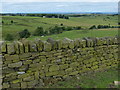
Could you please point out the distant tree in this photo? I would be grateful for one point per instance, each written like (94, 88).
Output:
(39, 31)
(2, 22)
(100, 26)
(77, 28)
(69, 28)
(61, 16)
(12, 21)
(61, 24)
(9, 37)
(46, 33)
(56, 30)
(118, 23)
(93, 27)
(66, 17)
(24, 34)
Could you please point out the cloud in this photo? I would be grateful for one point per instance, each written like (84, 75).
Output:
(60, 1)
(62, 5)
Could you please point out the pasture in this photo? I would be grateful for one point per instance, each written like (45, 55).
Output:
(31, 23)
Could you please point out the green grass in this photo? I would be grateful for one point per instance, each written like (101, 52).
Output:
(80, 34)
(101, 79)
(31, 23)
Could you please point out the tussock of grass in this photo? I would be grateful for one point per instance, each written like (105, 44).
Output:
(103, 79)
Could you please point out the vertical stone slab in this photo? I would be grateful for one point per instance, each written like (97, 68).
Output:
(83, 43)
(71, 44)
(77, 42)
(65, 43)
(59, 43)
(53, 42)
(3, 47)
(21, 47)
(10, 48)
(17, 49)
(32, 46)
(26, 45)
(47, 46)
(40, 45)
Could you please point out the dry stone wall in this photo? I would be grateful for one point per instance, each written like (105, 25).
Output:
(27, 64)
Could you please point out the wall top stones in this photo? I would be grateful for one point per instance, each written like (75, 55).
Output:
(24, 46)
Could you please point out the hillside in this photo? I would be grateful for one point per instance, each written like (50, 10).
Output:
(31, 23)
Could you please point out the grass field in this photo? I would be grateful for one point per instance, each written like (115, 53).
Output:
(80, 34)
(31, 23)
(102, 79)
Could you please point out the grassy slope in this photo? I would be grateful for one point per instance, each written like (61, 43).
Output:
(80, 34)
(31, 23)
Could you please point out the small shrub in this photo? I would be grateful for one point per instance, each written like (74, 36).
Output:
(9, 37)
(39, 31)
(24, 34)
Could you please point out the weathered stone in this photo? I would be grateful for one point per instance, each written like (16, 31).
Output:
(65, 42)
(12, 57)
(64, 66)
(71, 44)
(69, 70)
(53, 42)
(61, 73)
(47, 46)
(16, 81)
(27, 79)
(40, 45)
(21, 47)
(7, 70)
(17, 48)
(20, 72)
(27, 62)
(16, 85)
(3, 47)
(74, 64)
(25, 55)
(32, 47)
(32, 83)
(52, 73)
(7, 62)
(42, 58)
(53, 68)
(10, 48)
(18, 64)
(35, 65)
(23, 84)
(26, 45)
(25, 75)
(59, 43)
(35, 54)
(83, 43)
(5, 85)
(74, 73)
(23, 68)
(10, 78)
(77, 42)
(37, 74)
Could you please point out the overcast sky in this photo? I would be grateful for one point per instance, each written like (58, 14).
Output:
(15, 6)
(13, 1)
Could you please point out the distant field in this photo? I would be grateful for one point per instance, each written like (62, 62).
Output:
(31, 23)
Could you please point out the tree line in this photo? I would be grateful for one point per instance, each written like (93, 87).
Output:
(103, 26)
(39, 31)
(40, 15)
